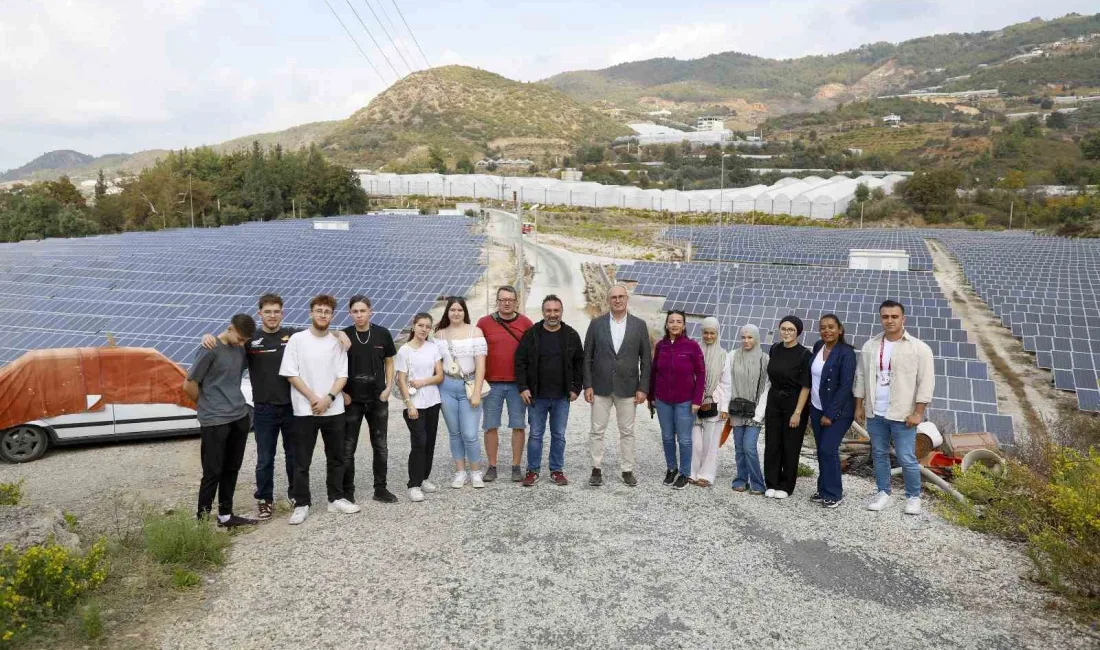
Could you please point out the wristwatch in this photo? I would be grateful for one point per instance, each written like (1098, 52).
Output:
(332, 397)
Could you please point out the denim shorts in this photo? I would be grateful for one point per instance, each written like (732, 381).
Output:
(493, 406)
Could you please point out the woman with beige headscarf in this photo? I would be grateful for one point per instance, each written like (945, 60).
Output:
(713, 413)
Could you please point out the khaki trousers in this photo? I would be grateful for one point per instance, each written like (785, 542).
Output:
(624, 416)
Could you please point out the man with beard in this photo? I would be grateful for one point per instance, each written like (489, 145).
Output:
(366, 395)
(317, 369)
(549, 375)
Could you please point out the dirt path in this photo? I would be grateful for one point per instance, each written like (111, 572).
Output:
(1024, 390)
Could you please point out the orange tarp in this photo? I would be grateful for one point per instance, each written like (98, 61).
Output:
(47, 383)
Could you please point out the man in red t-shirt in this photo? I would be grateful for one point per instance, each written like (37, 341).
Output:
(503, 330)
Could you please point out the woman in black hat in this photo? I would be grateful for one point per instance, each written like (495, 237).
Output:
(786, 414)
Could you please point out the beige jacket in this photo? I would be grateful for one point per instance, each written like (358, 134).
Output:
(912, 380)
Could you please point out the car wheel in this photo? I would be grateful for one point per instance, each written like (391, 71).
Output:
(23, 443)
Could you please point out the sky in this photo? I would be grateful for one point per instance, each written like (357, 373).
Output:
(109, 76)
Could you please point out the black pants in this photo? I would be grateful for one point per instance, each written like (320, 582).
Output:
(305, 439)
(377, 414)
(222, 451)
(782, 443)
(422, 432)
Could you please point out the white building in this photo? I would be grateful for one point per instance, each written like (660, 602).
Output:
(710, 123)
(893, 120)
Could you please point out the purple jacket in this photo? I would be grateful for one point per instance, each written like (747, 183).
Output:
(679, 373)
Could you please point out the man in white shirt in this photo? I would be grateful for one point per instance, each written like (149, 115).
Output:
(316, 366)
(894, 383)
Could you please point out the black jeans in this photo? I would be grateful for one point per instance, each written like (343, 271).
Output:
(305, 439)
(222, 452)
(422, 432)
(377, 413)
(782, 443)
(269, 420)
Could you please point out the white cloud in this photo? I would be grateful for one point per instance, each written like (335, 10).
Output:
(680, 41)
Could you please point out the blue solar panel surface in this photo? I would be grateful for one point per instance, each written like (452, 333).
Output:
(165, 289)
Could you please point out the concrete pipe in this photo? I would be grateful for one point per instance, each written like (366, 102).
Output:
(987, 457)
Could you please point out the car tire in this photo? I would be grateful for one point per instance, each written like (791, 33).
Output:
(23, 443)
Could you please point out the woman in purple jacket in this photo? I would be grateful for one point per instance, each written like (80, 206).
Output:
(676, 388)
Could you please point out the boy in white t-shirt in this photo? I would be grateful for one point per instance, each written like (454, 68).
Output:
(316, 366)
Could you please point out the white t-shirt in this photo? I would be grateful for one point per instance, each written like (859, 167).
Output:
(618, 331)
(319, 361)
(882, 378)
(465, 351)
(420, 364)
(815, 377)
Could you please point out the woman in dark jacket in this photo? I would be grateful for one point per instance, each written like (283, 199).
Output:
(785, 416)
(832, 405)
(676, 386)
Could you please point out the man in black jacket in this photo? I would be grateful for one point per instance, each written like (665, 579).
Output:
(549, 375)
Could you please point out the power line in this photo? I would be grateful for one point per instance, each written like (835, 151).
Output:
(392, 42)
(372, 38)
(365, 57)
(411, 32)
(393, 28)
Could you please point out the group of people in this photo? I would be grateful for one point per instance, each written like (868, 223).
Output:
(316, 381)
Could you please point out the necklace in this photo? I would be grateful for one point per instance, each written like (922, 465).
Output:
(361, 341)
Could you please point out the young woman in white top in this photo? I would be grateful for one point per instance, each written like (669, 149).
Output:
(464, 349)
(712, 416)
(419, 367)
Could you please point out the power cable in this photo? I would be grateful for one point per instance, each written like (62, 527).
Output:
(393, 28)
(373, 39)
(357, 46)
(411, 32)
(392, 42)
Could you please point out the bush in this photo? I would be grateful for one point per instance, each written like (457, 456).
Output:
(184, 578)
(177, 538)
(11, 493)
(91, 623)
(43, 581)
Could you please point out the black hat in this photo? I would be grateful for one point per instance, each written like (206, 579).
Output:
(793, 320)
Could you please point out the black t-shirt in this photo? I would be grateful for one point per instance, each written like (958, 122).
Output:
(789, 370)
(551, 367)
(265, 355)
(367, 361)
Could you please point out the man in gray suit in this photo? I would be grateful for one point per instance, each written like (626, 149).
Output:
(617, 357)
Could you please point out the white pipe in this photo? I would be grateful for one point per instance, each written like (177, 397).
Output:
(936, 480)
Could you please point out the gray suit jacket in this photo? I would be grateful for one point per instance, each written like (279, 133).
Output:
(622, 374)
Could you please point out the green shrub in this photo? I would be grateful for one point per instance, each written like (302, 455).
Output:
(43, 581)
(184, 578)
(805, 471)
(177, 538)
(11, 493)
(91, 623)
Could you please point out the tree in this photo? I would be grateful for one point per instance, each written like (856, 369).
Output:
(1046, 104)
(100, 187)
(933, 191)
(464, 166)
(862, 193)
(1057, 121)
(1090, 146)
(1013, 180)
(435, 161)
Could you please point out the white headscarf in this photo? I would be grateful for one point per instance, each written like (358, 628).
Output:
(746, 366)
(714, 356)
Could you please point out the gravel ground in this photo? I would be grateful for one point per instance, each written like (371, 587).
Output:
(574, 566)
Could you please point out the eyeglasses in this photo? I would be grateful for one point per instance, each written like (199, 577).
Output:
(322, 312)
(506, 301)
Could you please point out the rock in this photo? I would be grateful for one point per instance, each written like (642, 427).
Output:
(26, 526)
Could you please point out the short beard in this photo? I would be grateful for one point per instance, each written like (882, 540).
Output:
(318, 327)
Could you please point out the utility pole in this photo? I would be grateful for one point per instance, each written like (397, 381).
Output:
(1011, 205)
(861, 214)
(191, 198)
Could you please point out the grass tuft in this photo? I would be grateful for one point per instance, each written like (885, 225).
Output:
(179, 539)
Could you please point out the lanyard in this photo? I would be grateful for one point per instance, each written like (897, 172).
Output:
(890, 365)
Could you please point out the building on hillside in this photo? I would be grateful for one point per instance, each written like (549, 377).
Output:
(660, 113)
(892, 120)
(710, 123)
(571, 175)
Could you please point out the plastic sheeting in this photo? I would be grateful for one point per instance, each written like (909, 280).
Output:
(48, 383)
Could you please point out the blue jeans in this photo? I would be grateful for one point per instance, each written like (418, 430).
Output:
(268, 420)
(537, 413)
(462, 421)
(749, 473)
(883, 432)
(828, 439)
(676, 421)
(493, 405)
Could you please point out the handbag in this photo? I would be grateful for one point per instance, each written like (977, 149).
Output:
(485, 388)
(707, 411)
(746, 408)
(455, 370)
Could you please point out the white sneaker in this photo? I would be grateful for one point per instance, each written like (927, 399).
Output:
(428, 487)
(299, 515)
(881, 502)
(343, 506)
(459, 481)
(780, 494)
(476, 480)
(769, 494)
(912, 506)
(415, 494)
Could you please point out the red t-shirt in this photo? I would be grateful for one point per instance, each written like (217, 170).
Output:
(500, 364)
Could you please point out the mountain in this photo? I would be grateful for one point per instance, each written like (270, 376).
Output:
(466, 112)
(748, 88)
(61, 159)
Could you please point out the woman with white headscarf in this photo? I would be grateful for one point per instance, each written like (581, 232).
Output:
(713, 413)
(748, 399)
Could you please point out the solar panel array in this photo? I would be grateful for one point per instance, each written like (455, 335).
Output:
(1047, 290)
(965, 398)
(165, 289)
(799, 246)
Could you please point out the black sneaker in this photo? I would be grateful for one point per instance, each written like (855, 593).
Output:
(235, 521)
(670, 477)
(490, 474)
(681, 482)
(628, 478)
(831, 504)
(266, 509)
(817, 498)
(384, 495)
(596, 480)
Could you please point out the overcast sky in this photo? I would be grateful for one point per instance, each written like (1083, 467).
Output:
(105, 76)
